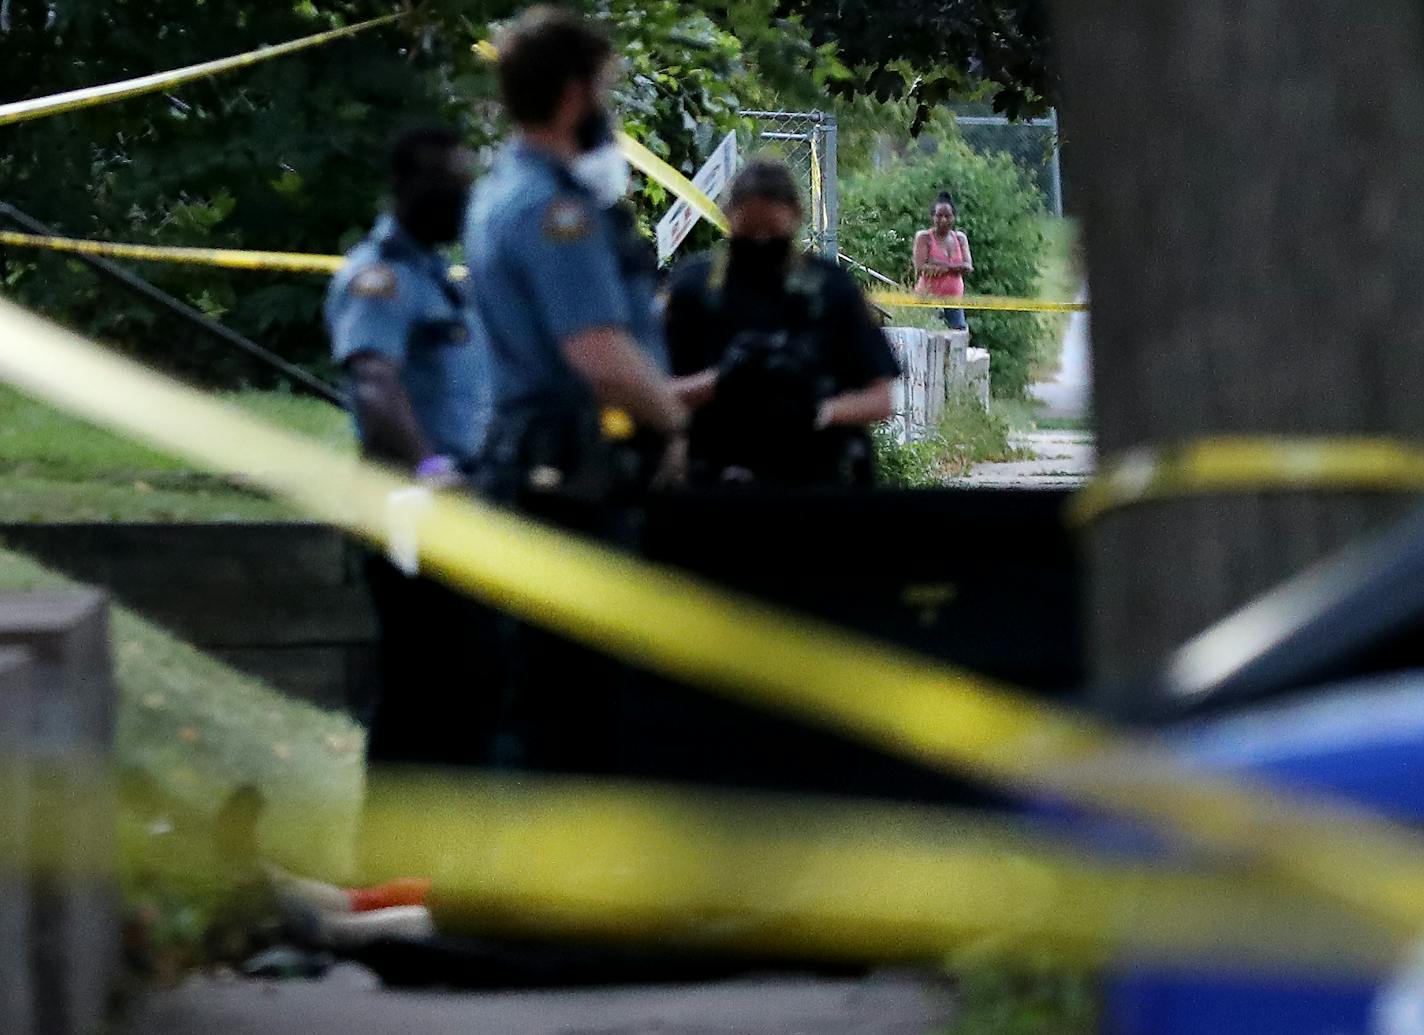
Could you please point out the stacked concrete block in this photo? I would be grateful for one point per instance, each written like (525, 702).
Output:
(976, 374)
(58, 916)
(931, 373)
(17, 718)
(907, 343)
(956, 343)
(934, 365)
(283, 602)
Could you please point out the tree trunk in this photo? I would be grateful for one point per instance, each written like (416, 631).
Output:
(1250, 175)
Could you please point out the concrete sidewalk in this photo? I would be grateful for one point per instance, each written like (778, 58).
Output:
(348, 1002)
(1069, 394)
(1061, 460)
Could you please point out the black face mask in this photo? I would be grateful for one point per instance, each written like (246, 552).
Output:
(433, 213)
(762, 258)
(594, 130)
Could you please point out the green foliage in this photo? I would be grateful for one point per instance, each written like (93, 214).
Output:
(685, 81)
(904, 465)
(790, 71)
(967, 435)
(1002, 214)
(1063, 265)
(870, 129)
(287, 155)
(677, 94)
(1062, 278)
(934, 51)
(971, 434)
(1026, 1001)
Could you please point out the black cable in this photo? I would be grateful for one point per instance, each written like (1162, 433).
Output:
(302, 380)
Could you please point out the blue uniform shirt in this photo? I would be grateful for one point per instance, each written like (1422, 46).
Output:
(638, 264)
(544, 267)
(394, 297)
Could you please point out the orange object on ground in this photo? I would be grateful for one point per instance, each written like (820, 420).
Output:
(404, 891)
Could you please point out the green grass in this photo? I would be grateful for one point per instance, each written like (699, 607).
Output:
(56, 468)
(193, 732)
(1082, 424)
(1022, 415)
(967, 435)
(195, 740)
(1026, 1001)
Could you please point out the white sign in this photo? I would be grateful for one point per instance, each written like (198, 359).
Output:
(712, 180)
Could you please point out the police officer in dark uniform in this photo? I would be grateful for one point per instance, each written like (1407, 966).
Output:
(417, 363)
(790, 367)
(569, 337)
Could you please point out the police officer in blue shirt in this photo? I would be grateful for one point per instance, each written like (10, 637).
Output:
(418, 367)
(563, 318)
(570, 335)
(604, 172)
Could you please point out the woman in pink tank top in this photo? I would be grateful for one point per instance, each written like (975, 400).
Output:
(942, 260)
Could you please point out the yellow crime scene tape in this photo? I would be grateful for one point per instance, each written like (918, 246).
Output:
(658, 170)
(818, 193)
(299, 262)
(638, 155)
(1250, 464)
(925, 712)
(91, 96)
(858, 882)
(226, 258)
(741, 647)
(987, 303)
(587, 860)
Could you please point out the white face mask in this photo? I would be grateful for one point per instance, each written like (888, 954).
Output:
(605, 172)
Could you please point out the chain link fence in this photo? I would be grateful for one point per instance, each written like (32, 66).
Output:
(806, 142)
(1032, 144)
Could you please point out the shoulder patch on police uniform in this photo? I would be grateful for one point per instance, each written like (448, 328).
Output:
(378, 281)
(566, 221)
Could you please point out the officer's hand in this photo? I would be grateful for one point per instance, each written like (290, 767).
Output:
(672, 467)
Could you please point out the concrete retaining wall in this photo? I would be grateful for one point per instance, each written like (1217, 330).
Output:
(935, 365)
(59, 937)
(17, 718)
(283, 602)
(976, 374)
(286, 601)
